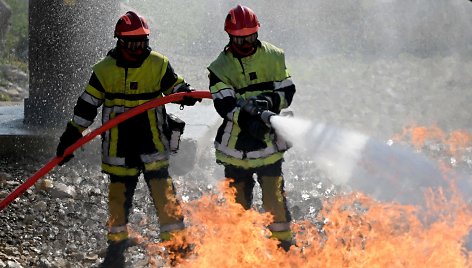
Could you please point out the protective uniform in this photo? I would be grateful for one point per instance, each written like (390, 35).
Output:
(244, 144)
(132, 74)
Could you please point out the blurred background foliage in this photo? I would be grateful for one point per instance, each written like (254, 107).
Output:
(372, 28)
(192, 31)
(15, 50)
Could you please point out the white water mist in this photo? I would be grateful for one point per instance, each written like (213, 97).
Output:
(365, 164)
(333, 150)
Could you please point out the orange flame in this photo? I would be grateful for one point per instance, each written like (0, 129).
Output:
(351, 231)
(456, 141)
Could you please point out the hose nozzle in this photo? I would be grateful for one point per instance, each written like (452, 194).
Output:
(265, 116)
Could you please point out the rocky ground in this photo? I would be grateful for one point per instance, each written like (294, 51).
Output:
(13, 83)
(60, 221)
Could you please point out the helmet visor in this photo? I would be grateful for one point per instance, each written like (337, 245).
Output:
(134, 44)
(244, 40)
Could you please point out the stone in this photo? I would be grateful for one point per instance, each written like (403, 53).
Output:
(60, 190)
(41, 206)
(12, 264)
(44, 185)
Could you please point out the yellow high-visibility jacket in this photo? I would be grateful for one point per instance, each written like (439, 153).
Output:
(143, 139)
(234, 80)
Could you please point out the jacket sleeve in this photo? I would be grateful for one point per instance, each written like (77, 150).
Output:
(170, 81)
(282, 95)
(283, 86)
(224, 97)
(87, 105)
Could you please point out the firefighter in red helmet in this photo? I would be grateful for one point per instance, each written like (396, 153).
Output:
(249, 83)
(242, 26)
(132, 74)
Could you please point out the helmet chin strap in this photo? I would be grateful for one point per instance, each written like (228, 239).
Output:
(242, 51)
(131, 56)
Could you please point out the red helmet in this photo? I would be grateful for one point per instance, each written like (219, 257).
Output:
(131, 25)
(241, 21)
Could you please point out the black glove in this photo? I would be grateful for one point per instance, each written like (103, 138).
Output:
(267, 100)
(252, 123)
(69, 137)
(187, 101)
(252, 106)
(257, 104)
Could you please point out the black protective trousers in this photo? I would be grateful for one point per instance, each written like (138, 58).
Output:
(272, 185)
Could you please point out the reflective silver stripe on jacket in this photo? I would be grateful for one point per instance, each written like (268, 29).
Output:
(146, 158)
(250, 155)
(172, 227)
(91, 99)
(228, 151)
(282, 84)
(226, 92)
(227, 134)
(107, 111)
(149, 158)
(111, 160)
(230, 115)
(81, 121)
(279, 226)
(176, 88)
(116, 161)
(280, 145)
(262, 153)
(160, 120)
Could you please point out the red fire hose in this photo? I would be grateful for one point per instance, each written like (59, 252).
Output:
(109, 124)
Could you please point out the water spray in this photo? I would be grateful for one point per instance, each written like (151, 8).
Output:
(85, 139)
(388, 172)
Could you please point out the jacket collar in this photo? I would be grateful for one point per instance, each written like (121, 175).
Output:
(121, 62)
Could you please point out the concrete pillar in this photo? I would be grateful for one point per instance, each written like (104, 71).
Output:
(65, 38)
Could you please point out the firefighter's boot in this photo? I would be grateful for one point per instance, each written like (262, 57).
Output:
(285, 239)
(285, 244)
(115, 256)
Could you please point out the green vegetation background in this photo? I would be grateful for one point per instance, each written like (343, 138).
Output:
(16, 43)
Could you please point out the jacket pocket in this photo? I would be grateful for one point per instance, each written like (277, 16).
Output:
(175, 130)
